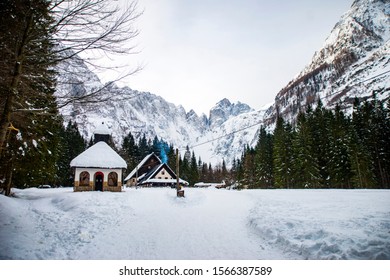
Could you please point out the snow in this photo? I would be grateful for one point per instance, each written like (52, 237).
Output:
(99, 155)
(102, 129)
(206, 224)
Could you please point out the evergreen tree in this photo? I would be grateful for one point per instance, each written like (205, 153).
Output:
(172, 158)
(234, 171)
(264, 160)
(282, 154)
(305, 173)
(185, 172)
(319, 126)
(156, 146)
(143, 148)
(193, 170)
(360, 150)
(339, 165)
(224, 171)
(36, 150)
(187, 154)
(248, 168)
(240, 172)
(204, 173)
(29, 153)
(210, 174)
(377, 140)
(130, 151)
(361, 163)
(72, 144)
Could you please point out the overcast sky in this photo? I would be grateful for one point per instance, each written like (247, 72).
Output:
(196, 52)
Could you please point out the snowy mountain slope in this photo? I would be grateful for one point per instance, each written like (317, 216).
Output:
(145, 113)
(223, 110)
(230, 138)
(354, 61)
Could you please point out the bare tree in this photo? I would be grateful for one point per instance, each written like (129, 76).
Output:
(37, 37)
(97, 27)
(94, 29)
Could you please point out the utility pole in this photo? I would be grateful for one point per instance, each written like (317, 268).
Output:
(179, 191)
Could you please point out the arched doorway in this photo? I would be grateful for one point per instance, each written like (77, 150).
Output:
(99, 176)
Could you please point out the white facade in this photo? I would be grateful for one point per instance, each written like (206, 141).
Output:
(163, 174)
(99, 168)
(98, 179)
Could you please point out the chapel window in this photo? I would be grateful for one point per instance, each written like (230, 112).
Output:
(84, 179)
(113, 179)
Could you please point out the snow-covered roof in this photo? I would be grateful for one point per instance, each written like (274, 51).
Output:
(148, 177)
(102, 129)
(99, 155)
(138, 167)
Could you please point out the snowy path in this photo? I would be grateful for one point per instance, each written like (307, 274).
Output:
(207, 224)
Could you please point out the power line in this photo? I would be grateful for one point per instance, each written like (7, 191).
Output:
(358, 83)
(263, 120)
(225, 135)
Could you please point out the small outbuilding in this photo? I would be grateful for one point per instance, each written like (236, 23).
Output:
(99, 168)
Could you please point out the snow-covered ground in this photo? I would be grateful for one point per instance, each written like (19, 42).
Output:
(206, 224)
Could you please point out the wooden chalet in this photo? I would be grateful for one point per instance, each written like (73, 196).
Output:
(152, 172)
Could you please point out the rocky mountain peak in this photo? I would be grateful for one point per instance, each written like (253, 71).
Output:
(356, 50)
(354, 61)
(224, 109)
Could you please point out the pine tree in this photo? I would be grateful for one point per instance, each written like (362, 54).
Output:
(248, 178)
(185, 172)
(71, 145)
(263, 161)
(319, 126)
(365, 141)
(378, 140)
(29, 157)
(210, 174)
(130, 151)
(155, 146)
(224, 172)
(204, 173)
(339, 165)
(234, 171)
(361, 163)
(305, 173)
(172, 158)
(37, 150)
(282, 154)
(193, 170)
(25, 55)
(143, 148)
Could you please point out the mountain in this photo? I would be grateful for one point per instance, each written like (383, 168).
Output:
(353, 62)
(125, 110)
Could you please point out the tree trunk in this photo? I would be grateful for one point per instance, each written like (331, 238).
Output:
(11, 93)
(13, 89)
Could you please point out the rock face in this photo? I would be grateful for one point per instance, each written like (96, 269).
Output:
(125, 110)
(224, 110)
(354, 62)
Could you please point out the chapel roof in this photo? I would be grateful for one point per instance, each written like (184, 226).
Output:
(100, 155)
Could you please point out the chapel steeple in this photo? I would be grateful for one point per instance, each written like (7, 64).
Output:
(102, 133)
